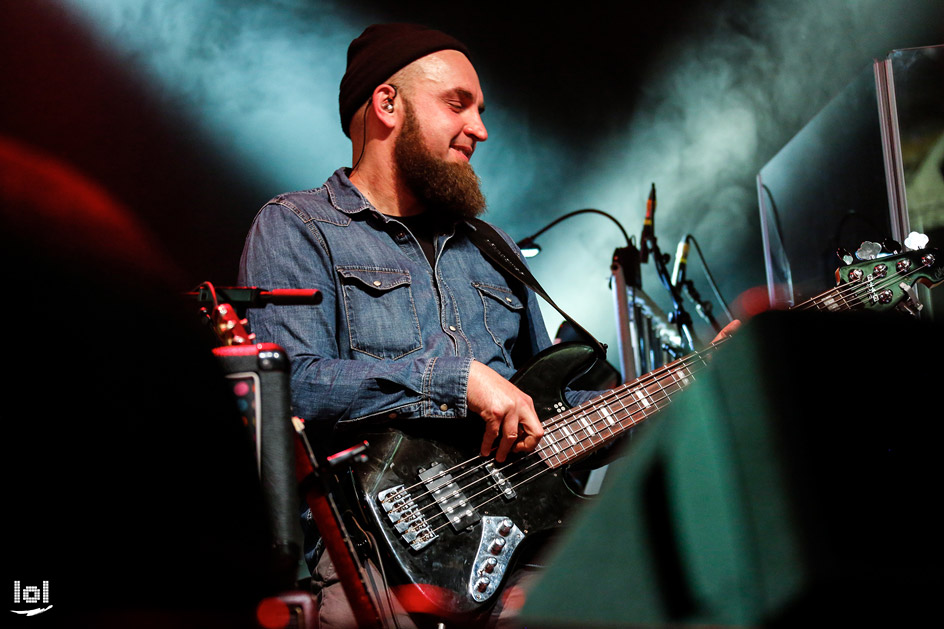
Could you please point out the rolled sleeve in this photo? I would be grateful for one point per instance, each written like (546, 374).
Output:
(445, 384)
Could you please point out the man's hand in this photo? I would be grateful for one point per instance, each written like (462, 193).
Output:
(728, 331)
(505, 409)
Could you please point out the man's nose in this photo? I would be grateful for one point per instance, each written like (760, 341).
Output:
(475, 128)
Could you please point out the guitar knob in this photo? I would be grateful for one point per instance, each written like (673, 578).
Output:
(891, 246)
(844, 256)
(482, 584)
(505, 527)
(490, 564)
(498, 545)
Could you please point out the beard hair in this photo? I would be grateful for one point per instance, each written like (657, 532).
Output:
(446, 188)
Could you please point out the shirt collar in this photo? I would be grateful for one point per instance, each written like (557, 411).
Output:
(346, 198)
(344, 195)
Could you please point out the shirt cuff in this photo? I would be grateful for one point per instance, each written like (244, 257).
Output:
(445, 386)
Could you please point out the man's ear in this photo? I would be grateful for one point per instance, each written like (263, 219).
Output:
(384, 104)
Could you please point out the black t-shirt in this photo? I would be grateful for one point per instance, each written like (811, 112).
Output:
(425, 228)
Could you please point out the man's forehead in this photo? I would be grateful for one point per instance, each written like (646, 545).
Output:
(449, 71)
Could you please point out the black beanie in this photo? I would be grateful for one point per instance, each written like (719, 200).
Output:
(380, 51)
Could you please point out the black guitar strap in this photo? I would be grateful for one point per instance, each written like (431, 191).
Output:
(491, 243)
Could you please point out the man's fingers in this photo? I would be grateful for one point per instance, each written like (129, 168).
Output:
(506, 410)
(488, 440)
(508, 438)
(530, 442)
(728, 331)
(530, 430)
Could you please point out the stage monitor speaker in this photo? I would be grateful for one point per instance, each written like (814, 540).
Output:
(795, 481)
(259, 379)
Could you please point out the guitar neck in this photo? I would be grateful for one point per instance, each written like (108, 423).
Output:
(877, 284)
(582, 429)
(833, 299)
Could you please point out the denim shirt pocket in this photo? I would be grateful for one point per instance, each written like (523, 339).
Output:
(503, 311)
(381, 316)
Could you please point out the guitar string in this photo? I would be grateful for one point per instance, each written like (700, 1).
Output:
(846, 292)
(643, 381)
(674, 368)
(592, 404)
(860, 289)
(863, 285)
(624, 426)
(579, 414)
(620, 390)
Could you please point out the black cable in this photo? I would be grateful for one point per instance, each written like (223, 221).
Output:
(396, 92)
(711, 279)
(531, 238)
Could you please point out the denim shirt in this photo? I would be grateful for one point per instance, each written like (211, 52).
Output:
(394, 336)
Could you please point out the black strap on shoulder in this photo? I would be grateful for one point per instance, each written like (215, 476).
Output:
(491, 243)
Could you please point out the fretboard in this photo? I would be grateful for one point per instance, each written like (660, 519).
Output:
(832, 300)
(582, 429)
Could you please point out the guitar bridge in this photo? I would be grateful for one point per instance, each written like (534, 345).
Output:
(407, 519)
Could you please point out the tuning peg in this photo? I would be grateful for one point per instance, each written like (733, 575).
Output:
(868, 250)
(891, 246)
(843, 254)
(916, 241)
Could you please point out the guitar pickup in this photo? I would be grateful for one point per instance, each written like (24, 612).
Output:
(451, 500)
(501, 483)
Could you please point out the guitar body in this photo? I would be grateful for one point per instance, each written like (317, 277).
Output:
(455, 561)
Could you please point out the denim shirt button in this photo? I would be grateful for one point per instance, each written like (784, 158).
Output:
(444, 407)
(452, 327)
(392, 415)
(377, 282)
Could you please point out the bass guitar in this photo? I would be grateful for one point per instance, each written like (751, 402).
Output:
(454, 520)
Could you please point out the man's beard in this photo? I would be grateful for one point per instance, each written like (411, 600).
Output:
(447, 188)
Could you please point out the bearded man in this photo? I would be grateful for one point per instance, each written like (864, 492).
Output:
(416, 324)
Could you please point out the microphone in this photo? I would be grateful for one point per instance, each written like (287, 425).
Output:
(254, 297)
(681, 261)
(647, 229)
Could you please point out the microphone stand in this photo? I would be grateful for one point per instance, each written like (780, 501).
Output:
(627, 282)
(681, 282)
(315, 473)
(680, 317)
(703, 307)
(649, 246)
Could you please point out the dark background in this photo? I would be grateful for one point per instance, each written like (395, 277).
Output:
(193, 114)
